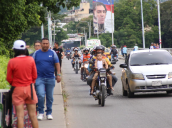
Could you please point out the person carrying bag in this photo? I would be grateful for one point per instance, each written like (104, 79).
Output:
(21, 75)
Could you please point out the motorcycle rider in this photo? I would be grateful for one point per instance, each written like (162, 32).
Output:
(85, 57)
(90, 78)
(76, 54)
(114, 52)
(100, 63)
(68, 50)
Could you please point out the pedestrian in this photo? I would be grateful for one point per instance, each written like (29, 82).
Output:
(157, 46)
(21, 74)
(124, 50)
(151, 47)
(59, 52)
(154, 45)
(135, 47)
(45, 60)
(37, 46)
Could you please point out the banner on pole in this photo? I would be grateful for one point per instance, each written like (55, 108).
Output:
(103, 16)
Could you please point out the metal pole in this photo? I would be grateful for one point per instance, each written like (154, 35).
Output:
(159, 23)
(143, 34)
(90, 28)
(85, 39)
(97, 24)
(111, 23)
(42, 27)
(54, 31)
(48, 26)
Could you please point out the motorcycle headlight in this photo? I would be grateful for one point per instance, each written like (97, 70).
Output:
(137, 76)
(169, 75)
(68, 53)
(86, 65)
(102, 74)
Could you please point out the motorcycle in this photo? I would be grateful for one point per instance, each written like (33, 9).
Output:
(76, 64)
(100, 90)
(114, 60)
(68, 55)
(85, 65)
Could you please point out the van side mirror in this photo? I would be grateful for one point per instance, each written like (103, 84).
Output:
(123, 66)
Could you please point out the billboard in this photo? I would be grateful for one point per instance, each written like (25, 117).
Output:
(93, 42)
(103, 16)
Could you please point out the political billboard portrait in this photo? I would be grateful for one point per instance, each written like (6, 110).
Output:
(103, 16)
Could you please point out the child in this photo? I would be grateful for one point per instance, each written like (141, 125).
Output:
(100, 63)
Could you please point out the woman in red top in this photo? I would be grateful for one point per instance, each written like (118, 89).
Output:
(21, 74)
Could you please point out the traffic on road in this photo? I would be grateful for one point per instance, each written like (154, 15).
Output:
(143, 75)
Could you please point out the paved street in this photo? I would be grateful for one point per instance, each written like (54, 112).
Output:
(152, 110)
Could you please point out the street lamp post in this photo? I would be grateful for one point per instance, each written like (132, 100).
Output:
(159, 23)
(111, 24)
(85, 35)
(42, 27)
(54, 27)
(143, 33)
(49, 28)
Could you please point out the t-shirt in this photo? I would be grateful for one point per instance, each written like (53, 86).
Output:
(114, 52)
(21, 71)
(136, 48)
(45, 63)
(124, 50)
(151, 47)
(58, 52)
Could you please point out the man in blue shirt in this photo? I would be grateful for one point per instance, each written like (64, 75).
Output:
(46, 60)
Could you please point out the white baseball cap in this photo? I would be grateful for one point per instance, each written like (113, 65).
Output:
(19, 44)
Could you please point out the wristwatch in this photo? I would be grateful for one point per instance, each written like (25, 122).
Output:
(58, 74)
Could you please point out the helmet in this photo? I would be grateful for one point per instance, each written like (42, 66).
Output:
(114, 46)
(103, 48)
(75, 49)
(99, 48)
(86, 49)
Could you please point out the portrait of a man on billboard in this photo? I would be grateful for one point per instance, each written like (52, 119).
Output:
(103, 16)
(99, 15)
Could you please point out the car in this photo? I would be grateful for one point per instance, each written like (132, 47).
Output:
(107, 53)
(147, 71)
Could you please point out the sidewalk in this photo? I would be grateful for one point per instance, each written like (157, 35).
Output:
(59, 120)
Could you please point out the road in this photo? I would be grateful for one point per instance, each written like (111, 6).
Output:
(145, 110)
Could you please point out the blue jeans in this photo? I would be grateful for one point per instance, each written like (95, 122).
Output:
(45, 86)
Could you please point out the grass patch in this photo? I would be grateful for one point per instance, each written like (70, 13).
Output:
(64, 94)
(3, 71)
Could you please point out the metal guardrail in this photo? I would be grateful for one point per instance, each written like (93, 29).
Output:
(131, 49)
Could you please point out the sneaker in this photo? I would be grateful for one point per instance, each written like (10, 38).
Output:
(40, 116)
(49, 117)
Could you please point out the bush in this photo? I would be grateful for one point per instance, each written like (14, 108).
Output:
(3, 71)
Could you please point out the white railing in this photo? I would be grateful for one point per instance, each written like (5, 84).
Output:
(131, 49)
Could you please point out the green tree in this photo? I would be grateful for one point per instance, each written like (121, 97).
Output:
(20, 15)
(128, 24)
(166, 23)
